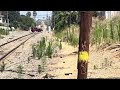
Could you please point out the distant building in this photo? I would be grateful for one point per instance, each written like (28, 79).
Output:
(1, 19)
(110, 14)
(39, 21)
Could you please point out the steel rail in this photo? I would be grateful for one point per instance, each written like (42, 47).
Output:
(14, 40)
(1, 58)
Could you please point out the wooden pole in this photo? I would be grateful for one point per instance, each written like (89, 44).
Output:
(85, 23)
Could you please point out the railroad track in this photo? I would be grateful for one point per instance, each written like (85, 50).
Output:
(7, 48)
(14, 40)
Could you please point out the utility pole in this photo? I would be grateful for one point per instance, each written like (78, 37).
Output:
(54, 21)
(7, 20)
(49, 23)
(70, 18)
(7, 23)
(85, 24)
(47, 18)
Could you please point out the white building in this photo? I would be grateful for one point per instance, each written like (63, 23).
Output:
(109, 14)
(3, 22)
(1, 18)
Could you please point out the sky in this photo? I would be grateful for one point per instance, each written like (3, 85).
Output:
(40, 14)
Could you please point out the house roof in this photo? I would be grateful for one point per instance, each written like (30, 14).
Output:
(1, 15)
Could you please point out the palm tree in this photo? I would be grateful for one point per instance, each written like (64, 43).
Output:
(34, 14)
(28, 14)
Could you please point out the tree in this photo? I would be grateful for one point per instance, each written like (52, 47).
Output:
(25, 22)
(13, 17)
(4, 13)
(16, 20)
(28, 14)
(34, 14)
(95, 13)
(61, 19)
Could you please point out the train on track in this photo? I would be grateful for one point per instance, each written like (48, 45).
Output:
(36, 29)
(39, 27)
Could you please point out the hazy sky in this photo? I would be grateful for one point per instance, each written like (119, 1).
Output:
(40, 14)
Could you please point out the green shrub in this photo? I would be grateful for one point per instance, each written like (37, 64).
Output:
(95, 67)
(60, 46)
(4, 32)
(34, 51)
(73, 39)
(68, 36)
(2, 67)
(20, 71)
(107, 31)
(1, 24)
(49, 50)
(41, 49)
(118, 31)
(39, 69)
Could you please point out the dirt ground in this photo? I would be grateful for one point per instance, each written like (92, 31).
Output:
(102, 63)
(64, 66)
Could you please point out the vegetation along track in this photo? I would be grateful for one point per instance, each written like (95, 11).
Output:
(9, 47)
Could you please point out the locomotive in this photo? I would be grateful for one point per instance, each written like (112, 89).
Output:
(39, 27)
(35, 29)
